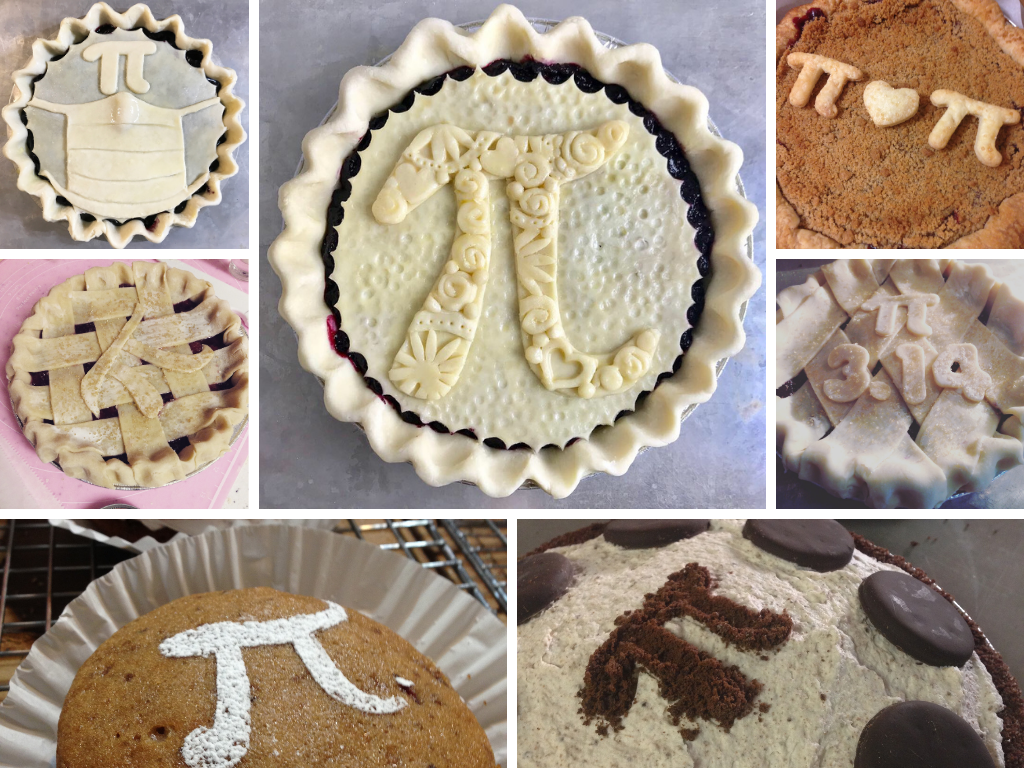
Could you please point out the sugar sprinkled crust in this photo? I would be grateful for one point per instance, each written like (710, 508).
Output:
(16, 148)
(433, 48)
(821, 687)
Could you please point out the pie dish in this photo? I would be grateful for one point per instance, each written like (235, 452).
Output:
(895, 163)
(130, 375)
(450, 335)
(900, 382)
(754, 643)
(123, 125)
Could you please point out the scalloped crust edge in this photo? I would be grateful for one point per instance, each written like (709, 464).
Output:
(84, 462)
(433, 47)
(16, 150)
(1004, 229)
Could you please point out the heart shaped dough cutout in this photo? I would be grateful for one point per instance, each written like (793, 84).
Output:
(890, 106)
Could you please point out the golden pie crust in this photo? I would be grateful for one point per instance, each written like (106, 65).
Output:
(844, 183)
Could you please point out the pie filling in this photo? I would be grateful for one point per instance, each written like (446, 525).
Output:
(126, 175)
(610, 257)
(887, 187)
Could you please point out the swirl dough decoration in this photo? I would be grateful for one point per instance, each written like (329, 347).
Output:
(438, 340)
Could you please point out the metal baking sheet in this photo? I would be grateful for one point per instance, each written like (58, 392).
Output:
(225, 23)
(308, 459)
(976, 561)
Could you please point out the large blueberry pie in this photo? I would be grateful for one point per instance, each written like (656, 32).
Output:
(898, 125)
(130, 375)
(515, 256)
(123, 125)
(900, 383)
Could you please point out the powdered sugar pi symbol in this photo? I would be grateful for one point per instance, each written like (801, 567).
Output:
(227, 742)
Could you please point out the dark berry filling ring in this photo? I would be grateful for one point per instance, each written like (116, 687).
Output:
(526, 71)
(194, 58)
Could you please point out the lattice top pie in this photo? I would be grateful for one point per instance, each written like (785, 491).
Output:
(123, 125)
(900, 383)
(525, 233)
(131, 375)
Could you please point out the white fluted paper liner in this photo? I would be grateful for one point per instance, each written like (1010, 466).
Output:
(183, 527)
(463, 638)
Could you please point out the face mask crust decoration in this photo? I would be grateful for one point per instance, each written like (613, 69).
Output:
(123, 126)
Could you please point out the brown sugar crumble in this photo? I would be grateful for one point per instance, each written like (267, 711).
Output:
(696, 685)
(885, 187)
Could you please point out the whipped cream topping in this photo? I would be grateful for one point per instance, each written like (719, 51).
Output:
(822, 686)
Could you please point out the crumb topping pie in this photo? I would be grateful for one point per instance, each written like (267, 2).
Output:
(519, 239)
(914, 138)
(122, 125)
(130, 375)
(900, 383)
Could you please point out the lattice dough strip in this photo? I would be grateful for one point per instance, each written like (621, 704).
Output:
(1006, 368)
(188, 415)
(92, 305)
(66, 403)
(951, 433)
(801, 421)
(852, 282)
(36, 355)
(804, 332)
(211, 317)
(150, 456)
(105, 433)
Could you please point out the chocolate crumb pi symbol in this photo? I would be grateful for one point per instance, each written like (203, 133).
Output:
(695, 683)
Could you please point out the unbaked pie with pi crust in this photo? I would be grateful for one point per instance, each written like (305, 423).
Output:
(515, 257)
(130, 375)
(898, 125)
(123, 125)
(900, 383)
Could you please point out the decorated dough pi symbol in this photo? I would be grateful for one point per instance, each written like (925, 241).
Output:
(227, 742)
(438, 340)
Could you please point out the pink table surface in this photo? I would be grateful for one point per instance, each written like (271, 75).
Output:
(22, 283)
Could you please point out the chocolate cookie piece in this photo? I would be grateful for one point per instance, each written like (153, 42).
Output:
(821, 545)
(916, 619)
(645, 534)
(919, 734)
(542, 579)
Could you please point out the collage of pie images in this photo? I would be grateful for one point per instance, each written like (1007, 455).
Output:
(511, 256)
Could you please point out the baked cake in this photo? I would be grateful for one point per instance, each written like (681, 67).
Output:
(257, 677)
(515, 257)
(769, 643)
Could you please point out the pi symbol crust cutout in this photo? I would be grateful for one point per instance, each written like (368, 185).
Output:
(535, 167)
